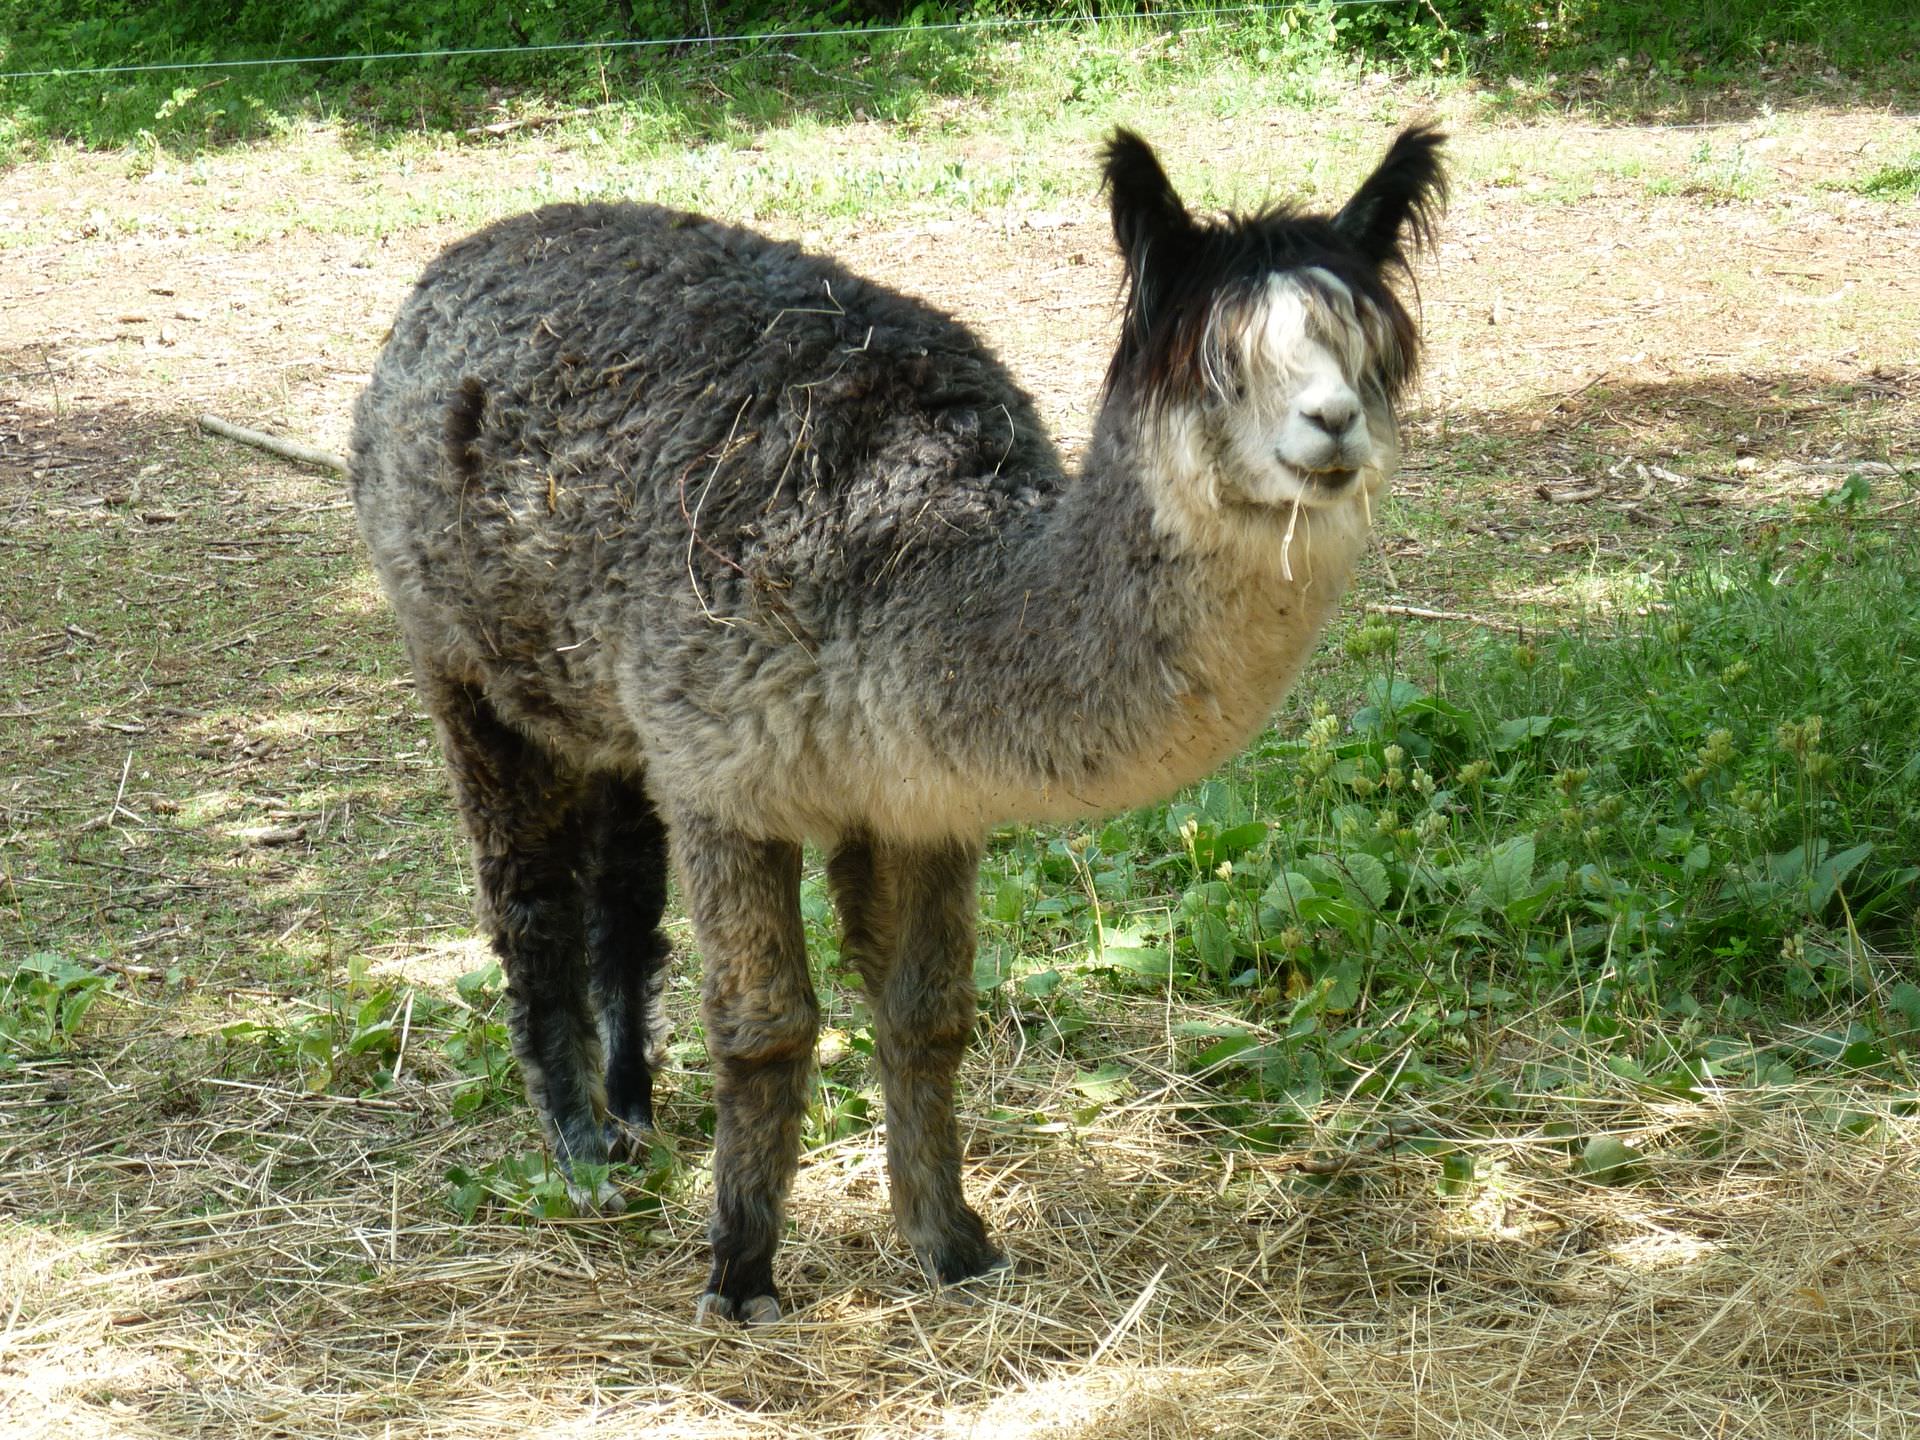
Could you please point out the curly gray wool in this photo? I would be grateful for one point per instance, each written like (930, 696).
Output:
(707, 506)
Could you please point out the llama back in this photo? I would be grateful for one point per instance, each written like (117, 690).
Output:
(612, 439)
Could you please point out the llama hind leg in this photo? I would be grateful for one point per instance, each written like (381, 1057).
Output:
(907, 915)
(761, 1017)
(626, 894)
(521, 814)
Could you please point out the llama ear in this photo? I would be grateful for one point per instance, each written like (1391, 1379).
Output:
(1396, 207)
(1149, 222)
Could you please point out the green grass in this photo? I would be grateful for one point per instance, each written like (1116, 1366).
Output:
(1685, 828)
(727, 93)
(1717, 171)
(1686, 838)
(1639, 56)
(1899, 181)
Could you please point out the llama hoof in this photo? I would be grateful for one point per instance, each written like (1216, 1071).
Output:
(627, 1143)
(960, 1264)
(602, 1199)
(996, 1269)
(971, 1289)
(754, 1310)
(957, 1251)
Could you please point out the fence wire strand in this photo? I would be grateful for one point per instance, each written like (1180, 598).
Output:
(1008, 22)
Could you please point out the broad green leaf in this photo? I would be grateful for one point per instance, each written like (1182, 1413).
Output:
(1150, 962)
(1516, 732)
(1343, 989)
(1831, 873)
(992, 967)
(474, 986)
(1393, 693)
(1212, 942)
(1009, 900)
(1863, 1055)
(1525, 909)
(1109, 1082)
(1456, 1172)
(1508, 873)
(1232, 844)
(1288, 889)
(1608, 1160)
(1367, 875)
(1434, 705)
(1223, 1050)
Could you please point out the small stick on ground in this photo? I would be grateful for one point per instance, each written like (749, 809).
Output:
(1420, 612)
(286, 449)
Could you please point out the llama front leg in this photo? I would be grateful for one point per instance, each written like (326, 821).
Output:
(908, 918)
(521, 815)
(762, 1017)
(626, 894)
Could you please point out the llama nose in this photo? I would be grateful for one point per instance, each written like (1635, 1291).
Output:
(1334, 414)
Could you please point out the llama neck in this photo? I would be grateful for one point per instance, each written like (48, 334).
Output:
(1116, 650)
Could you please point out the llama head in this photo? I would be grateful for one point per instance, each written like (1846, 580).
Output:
(1263, 353)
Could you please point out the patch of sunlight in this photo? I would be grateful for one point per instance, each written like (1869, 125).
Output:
(436, 963)
(208, 806)
(71, 1362)
(1592, 591)
(241, 729)
(1089, 1404)
(361, 594)
(1498, 1210)
(1664, 1251)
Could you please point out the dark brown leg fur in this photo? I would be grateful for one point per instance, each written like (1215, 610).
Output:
(522, 815)
(761, 1017)
(626, 893)
(907, 915)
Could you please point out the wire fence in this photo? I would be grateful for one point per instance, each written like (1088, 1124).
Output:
(758, 37)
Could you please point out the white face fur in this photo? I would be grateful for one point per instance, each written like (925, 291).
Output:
(1292, 423)
(1303, 424)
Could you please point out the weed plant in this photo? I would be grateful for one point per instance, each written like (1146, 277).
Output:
(1898, 181)
(1658, 829)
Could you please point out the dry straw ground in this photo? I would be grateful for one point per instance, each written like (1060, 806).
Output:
(194, 1247)
(1761, 1283)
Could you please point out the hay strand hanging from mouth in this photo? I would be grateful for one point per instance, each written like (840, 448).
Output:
(1286, 542)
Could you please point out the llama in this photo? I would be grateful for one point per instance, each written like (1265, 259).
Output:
(705, 547)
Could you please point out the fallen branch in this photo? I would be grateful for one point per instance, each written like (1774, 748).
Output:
(1329, 1165)
(1420, 612)
(525, 122)
(286, 449)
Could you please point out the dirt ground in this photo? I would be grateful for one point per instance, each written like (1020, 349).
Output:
(1642, 341)
(1599, 296)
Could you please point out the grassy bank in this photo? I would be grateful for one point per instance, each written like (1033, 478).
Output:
(657, 65)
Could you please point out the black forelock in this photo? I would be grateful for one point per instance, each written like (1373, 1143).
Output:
(1227, 262)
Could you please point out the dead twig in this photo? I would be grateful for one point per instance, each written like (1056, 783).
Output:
(272, 444)
(1395, 1132)
(524, 122)
(1421, 612)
